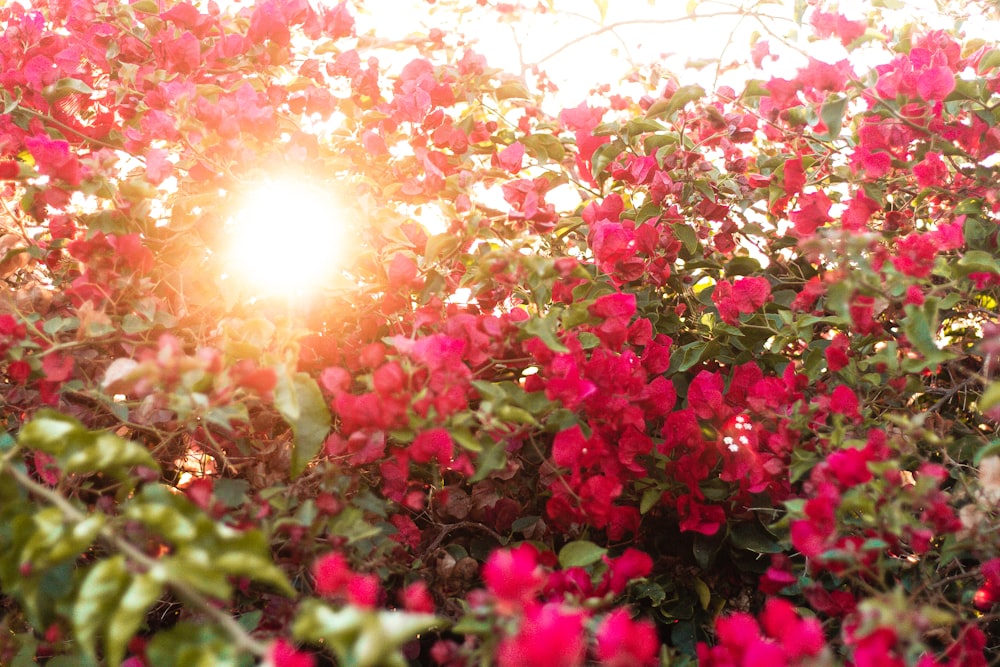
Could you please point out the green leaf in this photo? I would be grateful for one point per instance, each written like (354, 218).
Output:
(105, 452)
(990, 398)
(54, 541)
(686, 235)
(990, 60)
(189, 644)
(920, 326)
(544, 147)
(231, 492)
(677, 101)
(832, 114)
(545, 329)
(65, 87)
(650, 499)
(440, 246)
(687, 356)
(97, 599)
(605, 155)
(974, 261)
(752, 536)
(580, 553)
(300, 402)
(512, 90)
(492, 458)
(79, 450)
(361, 637)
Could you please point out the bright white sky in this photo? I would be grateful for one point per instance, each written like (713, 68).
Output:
(605, 58)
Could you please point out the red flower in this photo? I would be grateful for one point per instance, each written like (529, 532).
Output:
(19, 371)
(915, 255)
(844, 401)
(795, 178)
(433, 444)
(813, 210)
(836, 353)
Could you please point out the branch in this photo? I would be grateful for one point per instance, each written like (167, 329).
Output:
(620, 24)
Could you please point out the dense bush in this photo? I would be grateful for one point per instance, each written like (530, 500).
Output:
(734, 408)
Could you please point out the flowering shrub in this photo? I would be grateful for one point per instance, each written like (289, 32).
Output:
(733, 404)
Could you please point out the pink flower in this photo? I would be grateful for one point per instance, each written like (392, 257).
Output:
(844, 401)
(283, 654)
(417, 598)
(633, 564)
(335, 579)
(550, 636)
(509, 159)
(514, 576)
(622, 642)
(332, 574)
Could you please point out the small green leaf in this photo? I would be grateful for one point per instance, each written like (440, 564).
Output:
(544, 147)
(974, 261)
(650, 499)
(580, 553)
(440, 246)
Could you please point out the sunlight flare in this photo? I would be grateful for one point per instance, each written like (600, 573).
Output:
(288, 237)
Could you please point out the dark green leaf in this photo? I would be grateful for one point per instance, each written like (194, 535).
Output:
(752, 536)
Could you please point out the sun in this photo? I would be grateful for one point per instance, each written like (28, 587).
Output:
(288, 237)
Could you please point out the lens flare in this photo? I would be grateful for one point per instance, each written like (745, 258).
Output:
(287, 238)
